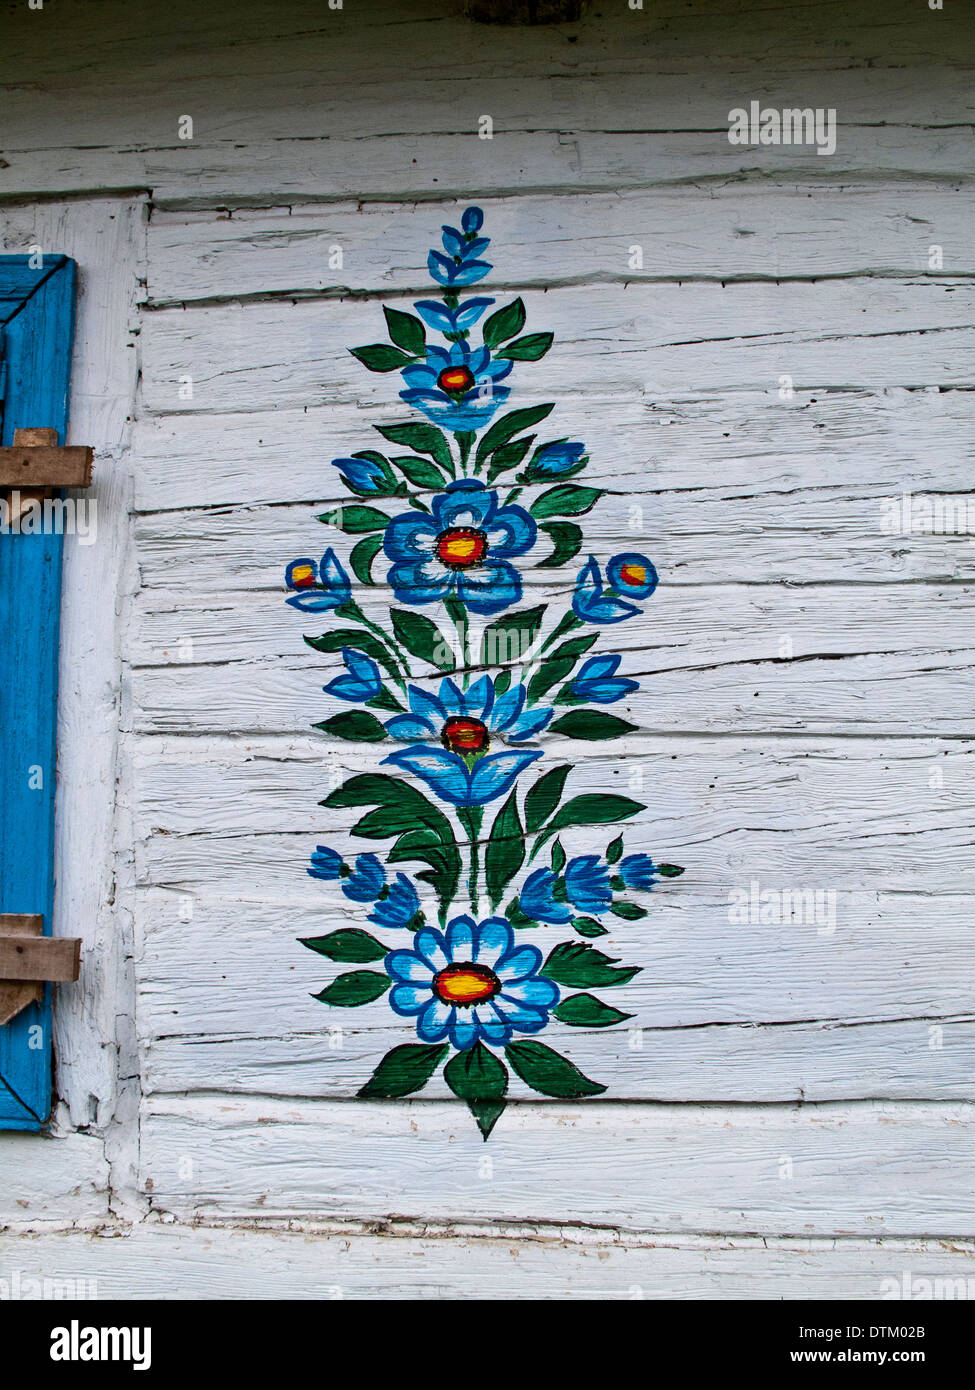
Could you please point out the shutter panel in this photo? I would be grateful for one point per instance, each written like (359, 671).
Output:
(37, 314)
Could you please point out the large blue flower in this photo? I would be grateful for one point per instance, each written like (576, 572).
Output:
(464, 546)
(471, 983)
(319, 587)
(583, 886)
(457, 388)
(595, 681)
(465, 720)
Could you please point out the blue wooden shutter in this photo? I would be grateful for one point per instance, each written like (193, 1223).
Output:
(37, 325)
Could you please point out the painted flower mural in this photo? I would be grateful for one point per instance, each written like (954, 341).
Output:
(475, 698)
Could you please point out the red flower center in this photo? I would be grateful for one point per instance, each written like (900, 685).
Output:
(466, 984)
(455, 380)
(460, 547)
(462, 735)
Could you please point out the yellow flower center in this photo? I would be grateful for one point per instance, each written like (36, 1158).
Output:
(466, 984)
(634, 574)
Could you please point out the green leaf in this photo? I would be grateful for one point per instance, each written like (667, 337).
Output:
(614, 850)
(558, 857)
(544, 796)
(588, 926)
(547, 1071)
(355, 988)
(421, 637)
(590, 724)
(347, 945)
(566, 499)
(356, 724)
(669, 870)
(502, 682)
(630, 912)
(424, 439)
(510, 637)
(403, 1070)
(419, 472)
(504, 324)
(356, 518)
(509, 425)
(363, 554)
(578, 966)
(505, 851)
(596, 808)
(386, 700)
(586, 1011)
(406, 331)
(551, 671)
(527, 349)
(567, 542)
(509, 456)
(353, 637)
(380, 357)
(481, 1079)
(516, 917)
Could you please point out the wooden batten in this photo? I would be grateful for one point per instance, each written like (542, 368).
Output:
(28, 959)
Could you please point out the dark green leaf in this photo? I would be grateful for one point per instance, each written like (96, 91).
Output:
(355, 988)
(586, 1011)
(510, 637)
(380, 357)
(614, 850)
(481, 1079)
(558, 857)
(516, 917)
(551, 671)
(420, 472)
(548, 1072)
(386, 700)
(509, 425)
(566, 499)
(630, 912)
(590, 724)
(509, 456)
(356, 724)
(361, 642)
(421, 637)
(403, 1070)
(578, 966)
(504, 324)
(669, 870)
(424, 439)
(527, 349)
(544, 796)
(595, 808)
(505, 851)
(588, 926)
(406, 331)
(363, 554)
(567, 542)
(347, 945)
(355, 519)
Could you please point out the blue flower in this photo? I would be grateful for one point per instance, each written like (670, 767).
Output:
(326, 863)
(584, 885)
(366, 881)
(366, 476)
(463, 547)
(632, 574)
(363, 682)
(320, 587)
(558, 460)
(638, 871)
(464, 720)
(450, 777)
(461, 266)
(452, 322)
(593, 603)
(400, 905)
(457, 388)
(594, 681)
(472, 220)
(472, 982)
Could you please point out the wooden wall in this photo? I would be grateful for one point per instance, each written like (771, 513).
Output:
(797, 1119)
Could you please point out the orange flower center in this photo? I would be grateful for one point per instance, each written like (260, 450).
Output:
(633, 574)
(462, 735)
(455, 379)
(461, 547)
(466, 984)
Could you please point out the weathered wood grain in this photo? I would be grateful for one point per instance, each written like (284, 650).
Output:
(867, 1169)
(52, 1182)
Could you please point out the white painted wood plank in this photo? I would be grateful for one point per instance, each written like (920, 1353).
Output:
(657, 340)
(866, 1169)
(733, 233)
(57, 1181)
(857, 811)
(745, 444)
(418, 1261)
